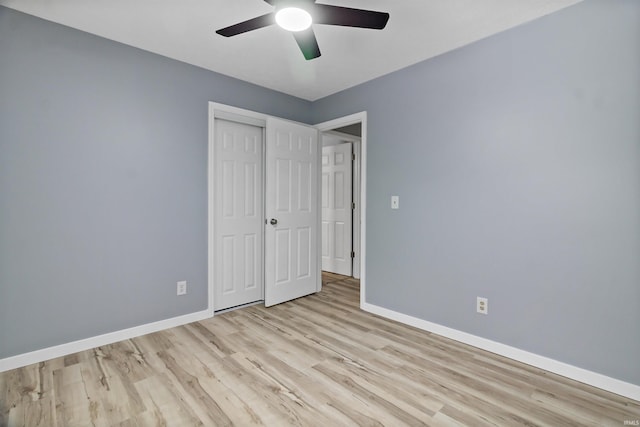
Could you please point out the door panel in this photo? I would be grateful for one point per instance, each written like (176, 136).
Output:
(238, 227)
(291, 245)
(337, 215)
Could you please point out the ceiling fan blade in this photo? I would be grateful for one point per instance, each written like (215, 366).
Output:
(251, 24)
(348, 17)
(306, 39)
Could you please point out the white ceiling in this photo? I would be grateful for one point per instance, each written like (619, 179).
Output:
(269, 57)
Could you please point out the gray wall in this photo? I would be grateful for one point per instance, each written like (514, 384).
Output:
(517, 163)
(103, 182)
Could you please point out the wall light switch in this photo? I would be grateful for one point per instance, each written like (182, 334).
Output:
(395, 202)
(181, 288)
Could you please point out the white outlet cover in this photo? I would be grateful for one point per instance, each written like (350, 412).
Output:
(482, 305)
(395, 202)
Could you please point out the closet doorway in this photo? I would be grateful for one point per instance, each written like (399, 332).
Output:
(263, 208)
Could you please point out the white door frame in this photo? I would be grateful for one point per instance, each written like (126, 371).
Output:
(362, 194)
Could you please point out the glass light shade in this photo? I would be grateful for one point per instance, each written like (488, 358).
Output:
(293, 19)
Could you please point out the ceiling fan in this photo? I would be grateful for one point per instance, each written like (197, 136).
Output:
(298, 15)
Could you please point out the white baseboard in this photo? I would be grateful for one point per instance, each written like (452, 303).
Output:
(594, 379)
(37, 356)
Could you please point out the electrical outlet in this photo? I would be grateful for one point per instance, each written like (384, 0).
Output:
(482, 305)
(395, 202)
(182, 287)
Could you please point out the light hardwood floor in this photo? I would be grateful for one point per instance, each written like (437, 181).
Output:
(315, 361)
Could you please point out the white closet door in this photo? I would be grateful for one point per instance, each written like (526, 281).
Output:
(337, 213)
(238, 228)
(292, 263)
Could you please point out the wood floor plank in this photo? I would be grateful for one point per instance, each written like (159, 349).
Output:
(165, 405)
(314, 361)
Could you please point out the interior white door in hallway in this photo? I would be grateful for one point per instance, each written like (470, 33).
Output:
(239, 214)
(291, 207)
(337, 213)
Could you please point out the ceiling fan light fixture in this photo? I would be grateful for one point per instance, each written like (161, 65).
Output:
(293, 19)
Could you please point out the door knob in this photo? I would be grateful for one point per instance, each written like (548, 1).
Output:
(274, 221)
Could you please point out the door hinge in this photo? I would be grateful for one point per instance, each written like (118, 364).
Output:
(353, 205)
(353, 156)
(353, 254)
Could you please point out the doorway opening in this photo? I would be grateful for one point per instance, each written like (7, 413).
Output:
(340, 205)
(343, 197)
